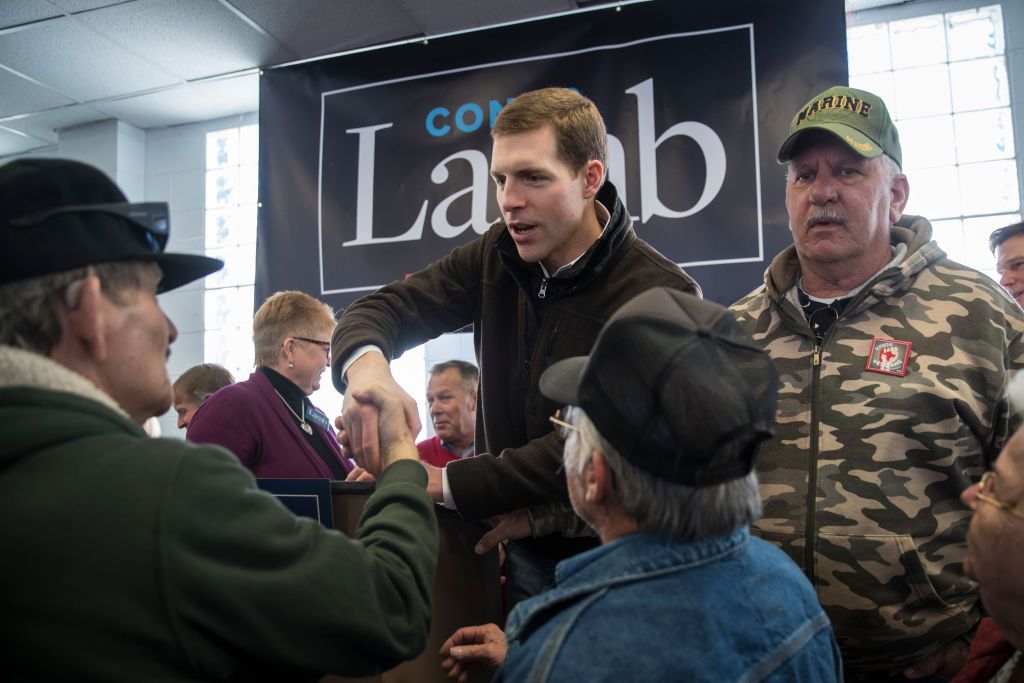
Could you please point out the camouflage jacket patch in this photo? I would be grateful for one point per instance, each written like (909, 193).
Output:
(861, 483)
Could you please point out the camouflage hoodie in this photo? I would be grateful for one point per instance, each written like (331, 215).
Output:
(861, 483)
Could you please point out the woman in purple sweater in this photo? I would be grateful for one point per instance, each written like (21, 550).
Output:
(268, 420)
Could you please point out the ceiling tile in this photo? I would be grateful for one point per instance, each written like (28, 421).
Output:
(20, 96)
(187, 103)
(69, 57)
(189, 38)
(45, 124)
(12, 142)
(318, 27)
(454, 15)
(16, 12)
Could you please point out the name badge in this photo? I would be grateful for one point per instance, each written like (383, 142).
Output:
(889, 356)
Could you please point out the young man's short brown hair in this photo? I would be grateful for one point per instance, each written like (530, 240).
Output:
(579, 128)
(287, 314)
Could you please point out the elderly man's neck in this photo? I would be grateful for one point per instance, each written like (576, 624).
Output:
(837, 279)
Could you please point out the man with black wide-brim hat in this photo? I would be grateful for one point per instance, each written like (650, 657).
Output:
(135, 559)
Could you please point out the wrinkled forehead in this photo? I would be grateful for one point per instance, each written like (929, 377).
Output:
(450, 379)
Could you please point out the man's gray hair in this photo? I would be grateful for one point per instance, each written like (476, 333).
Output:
(660, 506)
(29, 309)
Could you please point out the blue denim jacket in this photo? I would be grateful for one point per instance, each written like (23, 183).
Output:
(647, 607)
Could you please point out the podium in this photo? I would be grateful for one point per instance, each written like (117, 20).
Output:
(467, 589)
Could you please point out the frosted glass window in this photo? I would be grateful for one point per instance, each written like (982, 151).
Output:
(934, 192)
(220, 187)
(249, 145)
(228, 307)
(989, 187)
(946, 87)
(984, 135)
(927, 142)
(881, 84)
(868, 49)
(239, 266)
(232, 348)
(222, 148)
(976, 232)
(918, 41)
(923, 91)
(979, 84)
(949, 235)
(975, 33)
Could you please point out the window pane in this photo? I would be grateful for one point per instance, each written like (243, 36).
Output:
(989, 187)
(976, 232)
(239, 266)
(231, 348)
(934, 193)
(410, 372)
(922, 92)
(918, 41)
(879, 84)
(975, 33)
(248, 180)
(220, 187)
(927, 142)
(950, 236)
(249, 145)
(984, 135)
(868, 48)
(979, 84)
(222, 148)
(230, 226)
(229, 307)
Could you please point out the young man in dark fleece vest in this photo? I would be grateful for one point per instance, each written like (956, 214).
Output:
(537, 287)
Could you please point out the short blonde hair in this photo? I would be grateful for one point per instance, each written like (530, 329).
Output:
(283, 315)
(580, 132)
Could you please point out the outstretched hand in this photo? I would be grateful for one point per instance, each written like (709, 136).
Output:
(472, 649)
(509, 526)
(377, 414)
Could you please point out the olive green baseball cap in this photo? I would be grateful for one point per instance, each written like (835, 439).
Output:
(857, 117)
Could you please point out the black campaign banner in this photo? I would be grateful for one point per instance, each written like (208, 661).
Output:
(376, 164)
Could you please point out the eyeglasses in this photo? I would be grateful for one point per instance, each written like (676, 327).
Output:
(986, 494)
(326, 346)
(151, 217)
(561, 426)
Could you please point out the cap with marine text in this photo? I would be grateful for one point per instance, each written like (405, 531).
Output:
(857, 117)
(676, 386)
(58, 215)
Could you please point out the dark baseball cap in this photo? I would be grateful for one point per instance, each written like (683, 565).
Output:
(676, 386)
(856, 117)
(58, 215)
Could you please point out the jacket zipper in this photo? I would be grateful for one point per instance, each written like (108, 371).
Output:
(812, 469)
(543, 291)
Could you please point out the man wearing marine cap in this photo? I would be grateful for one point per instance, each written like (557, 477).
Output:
(893, 363)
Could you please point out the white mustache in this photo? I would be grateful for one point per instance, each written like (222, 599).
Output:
(825, 215)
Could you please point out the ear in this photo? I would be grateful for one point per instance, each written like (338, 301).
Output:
(593, 177)
(87, 318)
(472, 400)
(900, 194)
(597, 479)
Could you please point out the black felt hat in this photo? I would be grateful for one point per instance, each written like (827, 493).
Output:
(676, 386)
(57, 215)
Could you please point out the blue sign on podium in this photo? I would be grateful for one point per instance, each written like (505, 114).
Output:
(304, 497)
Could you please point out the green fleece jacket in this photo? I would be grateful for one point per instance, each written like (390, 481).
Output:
(135, 559)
